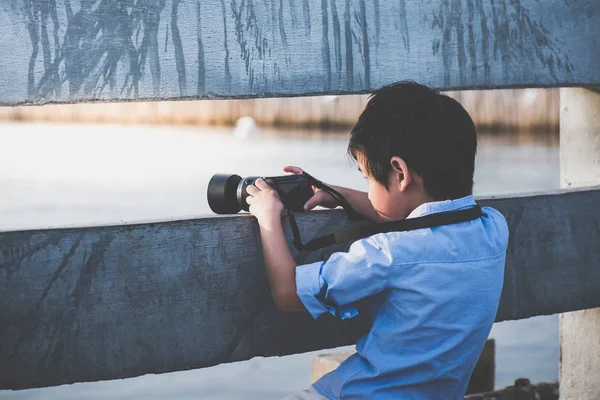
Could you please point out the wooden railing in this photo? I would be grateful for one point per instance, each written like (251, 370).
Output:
(119, 301)
(74, 51)
(111, 302)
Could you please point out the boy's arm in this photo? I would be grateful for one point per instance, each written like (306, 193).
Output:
(358, 200)
(281, 267)
(266, 206)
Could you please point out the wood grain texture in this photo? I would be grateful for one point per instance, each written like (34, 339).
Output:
(101, 303)
(89, 50)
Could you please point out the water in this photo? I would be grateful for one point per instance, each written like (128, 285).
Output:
(76, 175)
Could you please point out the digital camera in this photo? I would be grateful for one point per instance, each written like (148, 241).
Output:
(227, 193)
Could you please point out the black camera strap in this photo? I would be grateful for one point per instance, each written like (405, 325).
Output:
(427, 221)
(341, 200)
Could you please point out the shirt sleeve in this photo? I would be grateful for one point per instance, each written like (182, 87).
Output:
(334, 285)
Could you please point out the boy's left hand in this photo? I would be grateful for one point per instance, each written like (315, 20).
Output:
(264, 203)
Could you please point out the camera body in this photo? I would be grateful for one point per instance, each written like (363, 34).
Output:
(227, 193)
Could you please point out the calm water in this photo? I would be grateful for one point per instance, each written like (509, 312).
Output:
(65, 175)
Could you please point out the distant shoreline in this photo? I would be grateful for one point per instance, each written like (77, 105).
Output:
(526, 110)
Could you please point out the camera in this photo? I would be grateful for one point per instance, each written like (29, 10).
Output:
(227, 193)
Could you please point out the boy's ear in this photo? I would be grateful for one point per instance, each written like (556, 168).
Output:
(402, 175)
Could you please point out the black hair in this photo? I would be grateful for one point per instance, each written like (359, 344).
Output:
(430, 131)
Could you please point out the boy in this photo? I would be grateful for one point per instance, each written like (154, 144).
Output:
(435, 291)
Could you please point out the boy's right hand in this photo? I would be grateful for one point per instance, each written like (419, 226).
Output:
(319, 198)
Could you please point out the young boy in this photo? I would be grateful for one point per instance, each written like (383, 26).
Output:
(436, 290)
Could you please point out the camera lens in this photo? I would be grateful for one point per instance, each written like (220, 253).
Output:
(222, 194)
(242, 193)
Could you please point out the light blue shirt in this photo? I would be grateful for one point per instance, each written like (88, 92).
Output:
(435, 294)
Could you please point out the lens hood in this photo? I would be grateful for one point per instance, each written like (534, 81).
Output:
(222, 193)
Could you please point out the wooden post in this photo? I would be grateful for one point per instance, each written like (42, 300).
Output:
(580, 166)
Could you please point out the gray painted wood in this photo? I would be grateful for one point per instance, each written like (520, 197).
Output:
(99, 303)
(84, 50)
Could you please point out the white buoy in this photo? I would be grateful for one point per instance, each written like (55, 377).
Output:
(329, 99)
(245, 127)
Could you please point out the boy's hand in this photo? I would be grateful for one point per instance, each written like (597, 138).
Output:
(319, 198)
(264, 203)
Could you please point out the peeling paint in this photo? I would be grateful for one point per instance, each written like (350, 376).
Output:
(179, 56)
(337, 39)
(349, 55)
(516, 41)
(227, 71)
(401, 24)
(366, 53)
(306, 12)
(201, 64)
(325, 47)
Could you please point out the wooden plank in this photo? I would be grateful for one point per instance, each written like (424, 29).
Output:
(74, 51)
(99, 303)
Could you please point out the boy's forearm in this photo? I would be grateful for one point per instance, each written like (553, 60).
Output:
(360, 202)
(281, 267)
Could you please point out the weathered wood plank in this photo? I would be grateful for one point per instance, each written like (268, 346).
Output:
(99, 303)
(73, 51)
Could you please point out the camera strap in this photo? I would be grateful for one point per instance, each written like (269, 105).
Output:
(335, 194)
(426, 221)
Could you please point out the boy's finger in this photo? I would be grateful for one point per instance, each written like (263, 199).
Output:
(262, 185)
(252, 190)
(311, 203)
(249, 200)
(293, 170)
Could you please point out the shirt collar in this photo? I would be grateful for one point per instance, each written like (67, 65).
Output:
(441, 206)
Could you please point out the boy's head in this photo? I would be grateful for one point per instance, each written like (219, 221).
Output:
(412, 139)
